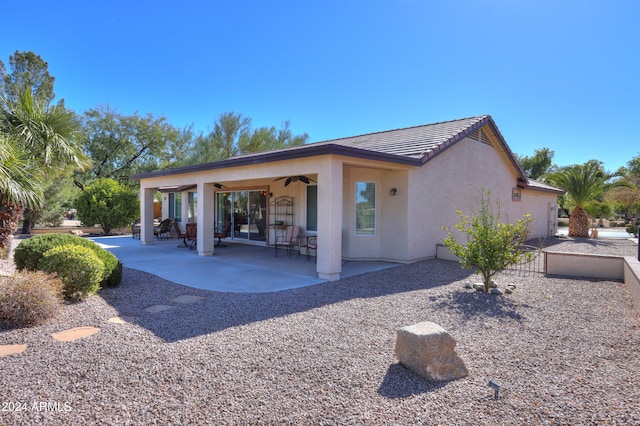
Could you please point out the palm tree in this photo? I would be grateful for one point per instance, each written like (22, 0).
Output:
(36, 142)
(17, 187)
(583, 183)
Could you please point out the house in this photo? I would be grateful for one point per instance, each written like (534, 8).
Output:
(379, 196)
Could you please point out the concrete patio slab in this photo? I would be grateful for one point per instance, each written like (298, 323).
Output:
(75, 333)
(236, 268)
(6, 350)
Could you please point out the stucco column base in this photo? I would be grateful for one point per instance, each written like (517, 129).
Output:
(331, 276)
(205, 253)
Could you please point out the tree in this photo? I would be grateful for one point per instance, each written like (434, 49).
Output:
(583, 183)
(43, 140)
(270, 138)
(107, 203)
(28, 70)
(19, 185)
(122, 145)
(232, 135)
(538, 165)
(598, 210)
(491, 246)
(29, 73)
(633, 166)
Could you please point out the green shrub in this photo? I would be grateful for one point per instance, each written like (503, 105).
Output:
(491, 245)
(562, 223)
(108, 203)
(29, 298)
(29, 252)
(633, 230)
(79, 268)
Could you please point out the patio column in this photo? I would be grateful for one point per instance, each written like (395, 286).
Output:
(146, 215)
(205, 218)
(330, 220)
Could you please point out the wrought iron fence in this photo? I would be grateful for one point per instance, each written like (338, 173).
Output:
(533, 263)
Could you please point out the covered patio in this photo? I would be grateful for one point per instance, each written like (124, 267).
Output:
(235, 267)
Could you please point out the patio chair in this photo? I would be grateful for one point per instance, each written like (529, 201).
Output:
(223, 234)
(289, 240)
(164, 229)
(312, 244)
(192, 234)
(180, 234)
(135, 228)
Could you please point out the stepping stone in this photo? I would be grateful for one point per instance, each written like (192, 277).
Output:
(124, 319)
(187, 299)
(75, 333)
(158, 308)
(6, 350)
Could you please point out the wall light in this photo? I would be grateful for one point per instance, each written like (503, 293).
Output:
(393, 191)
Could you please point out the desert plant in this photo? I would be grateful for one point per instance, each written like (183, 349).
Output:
(583, 183)
(491, 246)
(29, 298)
(79, 268)
(107, 203)
(29, 252)
(633, 230)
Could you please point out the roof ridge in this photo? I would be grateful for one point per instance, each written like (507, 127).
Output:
(479, 117)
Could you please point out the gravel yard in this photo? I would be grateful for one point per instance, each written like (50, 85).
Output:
(564, 351)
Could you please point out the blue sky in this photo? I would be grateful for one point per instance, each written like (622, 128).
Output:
(561, 74)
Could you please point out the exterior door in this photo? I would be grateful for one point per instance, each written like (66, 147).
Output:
(247, 211)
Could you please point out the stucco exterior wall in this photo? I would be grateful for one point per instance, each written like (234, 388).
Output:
(391, 229)
(543, 208)
(454, 181)
(409, 223)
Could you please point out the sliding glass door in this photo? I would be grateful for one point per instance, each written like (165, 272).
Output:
(247, 211)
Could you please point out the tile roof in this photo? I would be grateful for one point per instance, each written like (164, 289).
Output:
(415, 142)
(412, 145)
(541, 186)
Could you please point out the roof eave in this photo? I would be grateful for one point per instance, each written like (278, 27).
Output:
(310, 150)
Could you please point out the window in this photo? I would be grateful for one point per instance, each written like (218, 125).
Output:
(175, 206)
(192, 206)
(312, 208)
(365, 208)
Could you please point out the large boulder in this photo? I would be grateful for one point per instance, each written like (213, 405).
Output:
(428, 350)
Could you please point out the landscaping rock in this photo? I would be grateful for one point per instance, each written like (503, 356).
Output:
(429, 351)
(497, 291)
(478, 286)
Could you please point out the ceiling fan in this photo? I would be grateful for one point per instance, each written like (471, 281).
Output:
(290, 179)
(218, 185)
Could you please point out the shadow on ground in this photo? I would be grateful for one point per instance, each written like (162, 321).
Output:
(472, 304)
(139, 290)
(399, 382)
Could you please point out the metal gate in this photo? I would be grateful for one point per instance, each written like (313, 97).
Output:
(532, 265)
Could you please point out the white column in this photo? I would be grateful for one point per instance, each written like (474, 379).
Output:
(206, 216)
(184, 212)
(330, 201)
(146, 215)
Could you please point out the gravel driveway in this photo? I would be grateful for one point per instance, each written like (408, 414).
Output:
(564, 351)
